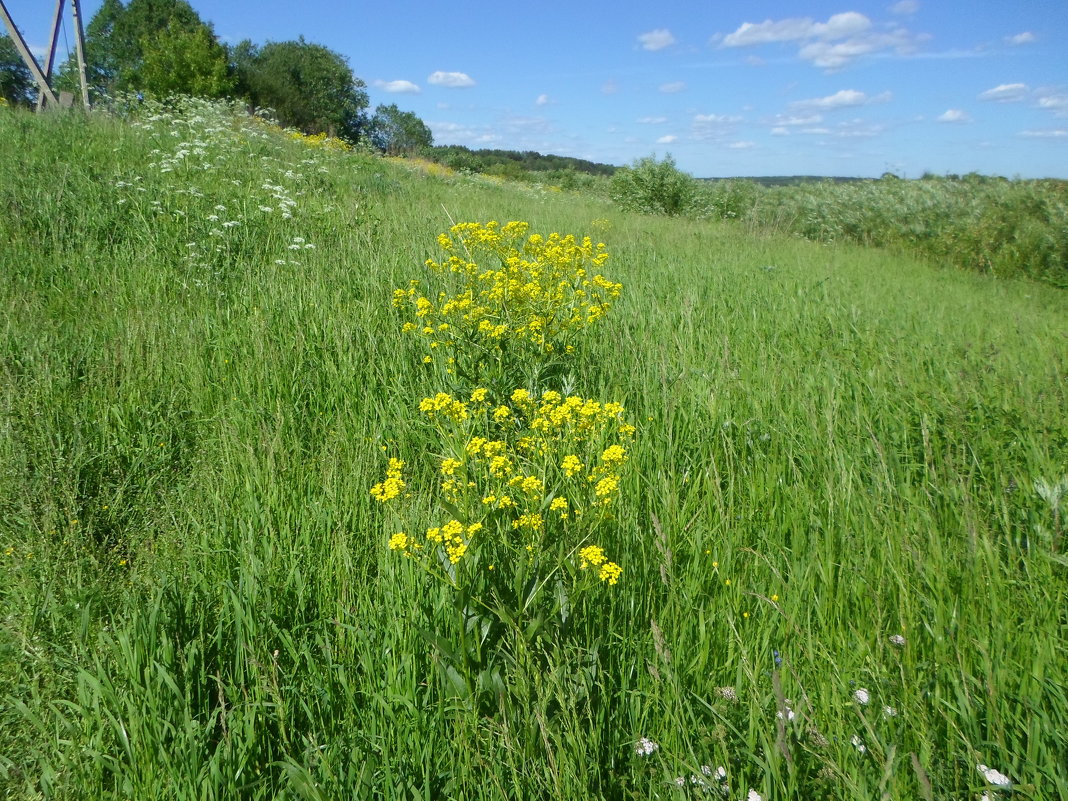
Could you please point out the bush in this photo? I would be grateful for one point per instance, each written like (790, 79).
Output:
(654, 187)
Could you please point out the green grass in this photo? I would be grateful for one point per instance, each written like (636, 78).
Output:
(197, 600)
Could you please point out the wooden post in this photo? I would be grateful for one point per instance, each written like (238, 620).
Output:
(27, 57)
(79, 47)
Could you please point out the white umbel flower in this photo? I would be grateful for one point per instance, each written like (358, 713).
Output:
(994, 777)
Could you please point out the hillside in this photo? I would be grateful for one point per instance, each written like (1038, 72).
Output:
(785, 519)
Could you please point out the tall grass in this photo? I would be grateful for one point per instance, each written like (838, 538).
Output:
(1015, 228)
(833, 489)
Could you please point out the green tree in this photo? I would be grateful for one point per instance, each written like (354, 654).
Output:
(16, 81)
(156, 46)
(395, 132)
(308, 86)
(184, 61)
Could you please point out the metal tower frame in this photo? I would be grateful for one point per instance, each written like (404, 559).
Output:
(44, 77)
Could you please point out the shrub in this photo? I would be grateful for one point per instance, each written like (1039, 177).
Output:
(654, 187)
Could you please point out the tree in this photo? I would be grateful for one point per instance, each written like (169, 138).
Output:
(16, 81)
(183, 61)
(155, 46)
(395, 132)
(308, 86)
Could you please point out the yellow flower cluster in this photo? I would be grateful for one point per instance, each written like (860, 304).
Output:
(530, 292)
(393, 485)
(526, 476)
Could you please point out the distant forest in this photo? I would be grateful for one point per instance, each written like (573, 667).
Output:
(507, 162)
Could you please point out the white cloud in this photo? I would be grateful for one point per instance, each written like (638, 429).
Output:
(672, 88)
(741, 145)
(830, 45)
(905, 7)
(844, 98)
(780, 131)
(667, 140)
(713, 126)
(609, 87)
(954, 115)
(1056, 103)
(401, 87)
(832, 56)
(797, 29)
(1021, 38)
(543, 100)
(794, 121)
(1049, 133)
(453, 80)
(656, 40)
(652, 120)
(1006, 93)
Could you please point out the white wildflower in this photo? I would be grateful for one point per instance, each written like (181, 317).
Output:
(680, 781)
(858, 744)
(897, 640)
(753, 796)
(889, 712)
(727, 693)
(995, 777)
(645, 747)
(861, 696)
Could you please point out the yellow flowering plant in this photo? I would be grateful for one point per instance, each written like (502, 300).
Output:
(528, 486)
(503, 308)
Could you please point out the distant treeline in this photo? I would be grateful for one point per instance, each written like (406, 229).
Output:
(789, 180)
(511, 163)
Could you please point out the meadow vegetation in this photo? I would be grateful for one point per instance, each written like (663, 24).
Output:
(252, 535)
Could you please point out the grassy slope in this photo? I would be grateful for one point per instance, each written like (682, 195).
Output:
(197, 600)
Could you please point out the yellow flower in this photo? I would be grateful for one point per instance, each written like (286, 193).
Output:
(591, 555)
(571, 465)
(610, 572)
(448, 466)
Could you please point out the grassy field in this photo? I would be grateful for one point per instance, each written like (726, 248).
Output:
(840, 525)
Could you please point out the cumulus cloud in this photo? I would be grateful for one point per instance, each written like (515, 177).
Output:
(1006, 93)
(797, 29)
(1057, 103)
(667, 140)
(954, 115)
(400, 87)
(1021, 38)
(543, 100)
(794, 120)
(656, 40)
(453, 80)
(831, 45)
(844, 98)
(713, 126)
(672, 88)
(905, 7)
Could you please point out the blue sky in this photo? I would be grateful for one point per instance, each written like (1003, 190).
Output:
(761, 88)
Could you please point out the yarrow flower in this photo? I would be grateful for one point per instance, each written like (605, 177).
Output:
(897, 640)
(646, 747)
(994, 777)
(862, 696)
